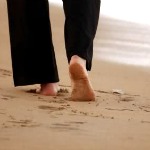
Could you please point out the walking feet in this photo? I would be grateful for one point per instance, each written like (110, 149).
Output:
(81, 87)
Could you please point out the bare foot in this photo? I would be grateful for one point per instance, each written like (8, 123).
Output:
(81, 87)
(49, 89)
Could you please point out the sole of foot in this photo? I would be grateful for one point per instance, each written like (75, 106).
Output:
(81, 87)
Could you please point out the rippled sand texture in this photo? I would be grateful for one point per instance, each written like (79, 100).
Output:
(119, 119)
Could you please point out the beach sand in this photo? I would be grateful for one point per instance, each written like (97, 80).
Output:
(119, 119)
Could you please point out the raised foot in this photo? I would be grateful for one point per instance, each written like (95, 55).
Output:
(81, 87)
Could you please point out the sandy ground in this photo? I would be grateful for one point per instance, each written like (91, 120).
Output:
(116, 121)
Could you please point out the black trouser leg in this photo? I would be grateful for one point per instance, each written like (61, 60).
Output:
(33, 58)
(80, 27)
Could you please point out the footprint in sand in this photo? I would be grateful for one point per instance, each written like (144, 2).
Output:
(23, 123)
(64, 127)
(51, 108)
(5, 73)
(8, 97)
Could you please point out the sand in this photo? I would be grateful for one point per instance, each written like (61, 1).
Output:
(118, 119)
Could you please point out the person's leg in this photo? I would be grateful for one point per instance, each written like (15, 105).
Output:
(80, 29)
(33, 58)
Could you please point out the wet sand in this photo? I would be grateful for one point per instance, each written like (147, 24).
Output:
(117, 120)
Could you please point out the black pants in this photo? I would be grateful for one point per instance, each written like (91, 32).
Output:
(33, 57)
